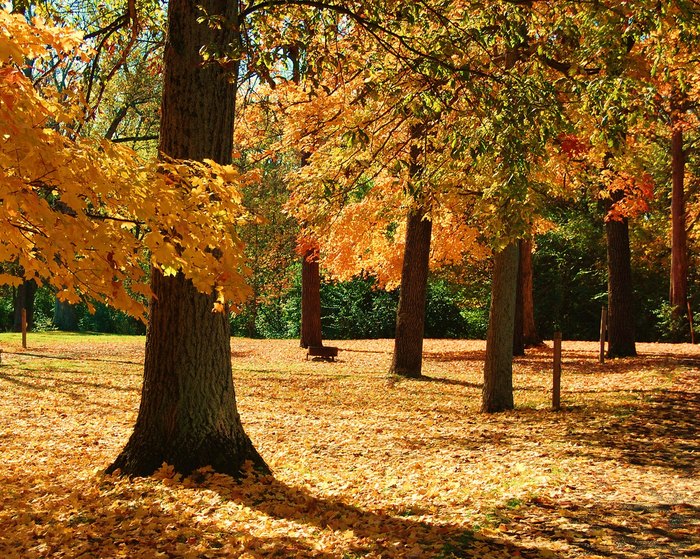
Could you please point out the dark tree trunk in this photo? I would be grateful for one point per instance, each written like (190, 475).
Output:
(410, 315)
(530, 335)
(188, 415)
(310, 274)
(310, 300)
(518, 326)
(24, 299)
(620, 294)
(498, 368)
(65, 316)
(678, 293)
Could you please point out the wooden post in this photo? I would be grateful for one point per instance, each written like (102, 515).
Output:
(603, 333)
(24, 328)
(690, 321)
(556, 380)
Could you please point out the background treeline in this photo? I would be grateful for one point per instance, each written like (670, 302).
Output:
(570, 286)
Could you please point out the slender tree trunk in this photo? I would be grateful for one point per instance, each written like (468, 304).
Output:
(518, 326)
(410, 315)
(530, 334)
(678, 295)
(24, 299)
(188, 415)
(498, 368)
(620, 295)
(311, 335)
(310, 300)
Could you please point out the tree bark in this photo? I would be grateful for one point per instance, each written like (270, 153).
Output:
(530, 335)
(24, 299)
(310, 300)
(620, 295)
(498, 369)
(518, 326)
(678, 292)
(410, 315)
(188, 415)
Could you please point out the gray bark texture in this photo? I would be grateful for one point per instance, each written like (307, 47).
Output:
(498, 369)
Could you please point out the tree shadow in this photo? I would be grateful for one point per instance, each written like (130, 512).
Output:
(113, 520)
(61, 385)
(451, 356)
(601, 528)
(74, 358)
(363, 350)
(663, 432)
(100, 529)
(449, 382)
(374, 532)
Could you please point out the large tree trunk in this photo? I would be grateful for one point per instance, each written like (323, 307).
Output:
(410, 315)
(620, 295)
(530, 334)
(188, 415)
(24, 299)
(678, 293)
(310, 300)
(498, 368)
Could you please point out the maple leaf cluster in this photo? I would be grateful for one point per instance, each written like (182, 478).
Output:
(89, 216)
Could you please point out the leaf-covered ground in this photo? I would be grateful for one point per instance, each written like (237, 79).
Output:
(364, 465)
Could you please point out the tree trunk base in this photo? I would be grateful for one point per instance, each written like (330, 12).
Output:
(406, 372)
(621, 352)
(142, 456)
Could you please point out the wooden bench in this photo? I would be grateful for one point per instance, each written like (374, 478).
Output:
(327, 353)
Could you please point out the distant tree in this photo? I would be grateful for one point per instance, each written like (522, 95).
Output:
(310, 299)
(621, 327)
(407, 359)
(498, 367)
(531, 336)
(24, 300)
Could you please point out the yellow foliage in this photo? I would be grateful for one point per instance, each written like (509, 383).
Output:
(86, 215)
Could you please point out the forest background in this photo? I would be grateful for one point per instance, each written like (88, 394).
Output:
(569, 261)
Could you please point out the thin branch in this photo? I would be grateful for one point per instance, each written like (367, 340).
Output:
(135, 139)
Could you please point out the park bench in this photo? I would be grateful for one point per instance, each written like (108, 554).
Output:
(327, 353)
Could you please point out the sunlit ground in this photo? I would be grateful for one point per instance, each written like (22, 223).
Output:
(364, 465)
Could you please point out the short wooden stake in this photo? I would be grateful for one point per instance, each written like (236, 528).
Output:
(24, 328)
(556, 380)
(603, 333)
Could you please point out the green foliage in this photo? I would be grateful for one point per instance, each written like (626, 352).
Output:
(357, 309)
(445, 317)
(570, 274)
(108, 320)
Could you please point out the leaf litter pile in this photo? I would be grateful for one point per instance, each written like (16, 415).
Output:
(365, 465)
